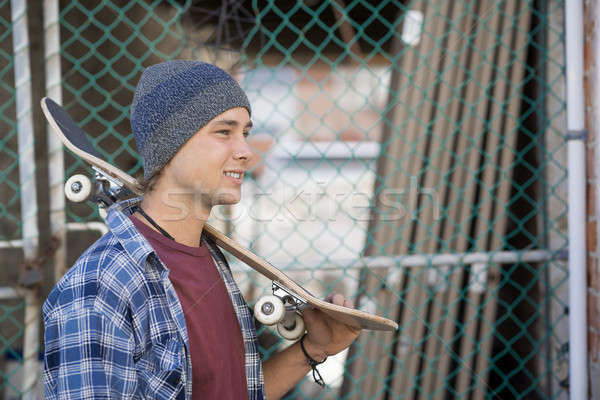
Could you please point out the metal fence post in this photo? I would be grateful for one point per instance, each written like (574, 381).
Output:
(56, 170)
(29, 209)
(578, 372)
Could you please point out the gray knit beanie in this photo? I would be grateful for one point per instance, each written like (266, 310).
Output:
(172, 101)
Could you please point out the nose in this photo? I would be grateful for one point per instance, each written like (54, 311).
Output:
(242, 150)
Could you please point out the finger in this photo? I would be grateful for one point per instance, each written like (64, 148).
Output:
(338, 299)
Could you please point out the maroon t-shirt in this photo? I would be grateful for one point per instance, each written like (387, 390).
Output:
(216, 343)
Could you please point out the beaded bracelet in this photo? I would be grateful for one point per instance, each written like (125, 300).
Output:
(313, 364)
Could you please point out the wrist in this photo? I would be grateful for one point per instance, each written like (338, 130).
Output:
(313, 363)
(312, 350)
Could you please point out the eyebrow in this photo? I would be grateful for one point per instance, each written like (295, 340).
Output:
(232, 123)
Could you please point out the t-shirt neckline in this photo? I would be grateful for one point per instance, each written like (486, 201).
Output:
(150, 233)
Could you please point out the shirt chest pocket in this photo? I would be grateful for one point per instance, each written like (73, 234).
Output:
(164, 367)
(168, 354)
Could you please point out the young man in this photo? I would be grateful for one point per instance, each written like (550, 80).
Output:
(151, 309)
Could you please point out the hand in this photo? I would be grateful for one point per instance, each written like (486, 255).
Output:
(325, 335)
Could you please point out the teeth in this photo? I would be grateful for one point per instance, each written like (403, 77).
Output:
(236, 175)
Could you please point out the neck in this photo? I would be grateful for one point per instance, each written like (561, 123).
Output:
(180, 216)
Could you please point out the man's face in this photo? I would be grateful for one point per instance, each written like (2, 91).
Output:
(211, 165)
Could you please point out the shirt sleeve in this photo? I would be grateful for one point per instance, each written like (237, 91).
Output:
(87, 357)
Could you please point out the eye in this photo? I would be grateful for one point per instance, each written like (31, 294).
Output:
(223, 132)
(246, 133)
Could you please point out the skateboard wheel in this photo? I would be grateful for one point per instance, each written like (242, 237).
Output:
(292, 331)
(78, 188)
(269, 310)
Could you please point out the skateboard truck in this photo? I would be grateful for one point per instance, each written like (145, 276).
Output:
(287, 296)
(108, 190)
(282, 308)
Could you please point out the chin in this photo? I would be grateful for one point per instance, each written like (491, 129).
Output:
(223, 199)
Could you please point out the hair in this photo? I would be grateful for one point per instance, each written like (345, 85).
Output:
(146, 186)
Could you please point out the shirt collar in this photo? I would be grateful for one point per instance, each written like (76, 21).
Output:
(131, 239)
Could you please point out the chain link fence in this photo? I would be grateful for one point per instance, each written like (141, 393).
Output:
(410, 154)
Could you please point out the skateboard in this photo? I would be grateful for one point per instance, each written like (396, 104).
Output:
(283, 308)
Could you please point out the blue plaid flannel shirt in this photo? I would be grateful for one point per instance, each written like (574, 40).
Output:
(114, 327)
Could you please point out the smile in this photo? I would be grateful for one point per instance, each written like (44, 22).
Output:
(233, 174)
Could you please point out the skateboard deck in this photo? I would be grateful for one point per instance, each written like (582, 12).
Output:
(76, 140)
